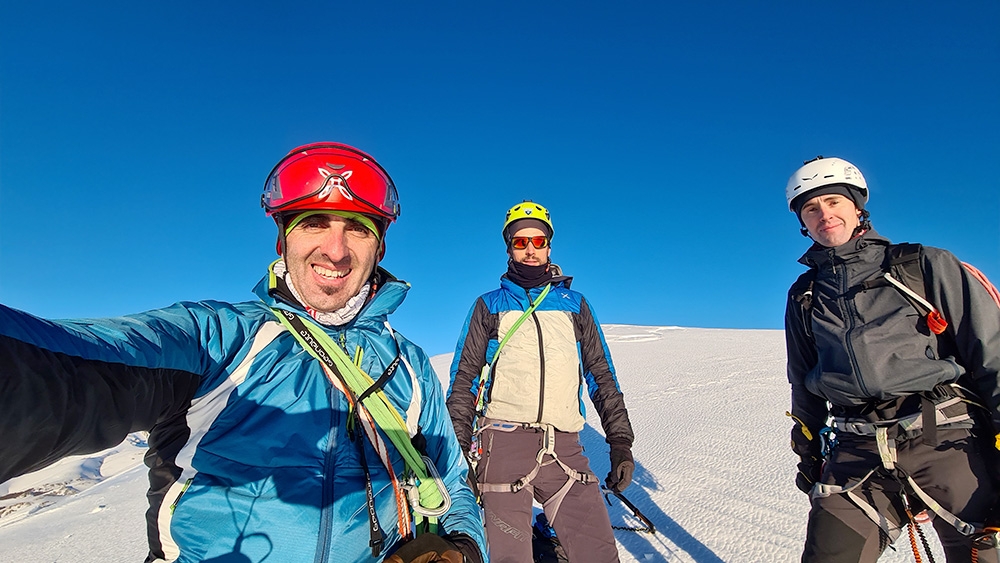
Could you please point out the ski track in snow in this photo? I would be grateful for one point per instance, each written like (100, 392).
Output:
(713, 469)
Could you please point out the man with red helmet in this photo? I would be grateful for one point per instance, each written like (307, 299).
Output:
(520, 417)
(299, 425)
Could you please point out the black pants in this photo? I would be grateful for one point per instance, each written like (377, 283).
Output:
(958, 473)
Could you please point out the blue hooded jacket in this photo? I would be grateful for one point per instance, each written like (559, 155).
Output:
(249, 448)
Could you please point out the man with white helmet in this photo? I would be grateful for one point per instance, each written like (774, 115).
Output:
(893, 360)
(520, 418)
(296, 427)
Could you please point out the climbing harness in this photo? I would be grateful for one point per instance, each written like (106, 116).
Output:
(885, 433)
(952, 411)
(647, 526)
(902, 270)
(548, 449)
(421, 490)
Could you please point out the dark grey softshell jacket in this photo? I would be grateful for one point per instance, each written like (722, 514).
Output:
(871, 345)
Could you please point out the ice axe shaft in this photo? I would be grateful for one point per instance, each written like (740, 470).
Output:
(638, 514)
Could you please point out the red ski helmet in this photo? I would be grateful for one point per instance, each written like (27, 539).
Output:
(330, 176)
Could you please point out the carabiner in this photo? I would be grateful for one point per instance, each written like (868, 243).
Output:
(828, 441)
(413, 493)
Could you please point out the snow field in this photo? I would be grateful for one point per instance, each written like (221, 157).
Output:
(713, 468)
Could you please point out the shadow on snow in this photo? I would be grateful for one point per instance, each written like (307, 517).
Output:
(642, 545)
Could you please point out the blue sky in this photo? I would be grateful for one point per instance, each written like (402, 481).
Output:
(135, 138)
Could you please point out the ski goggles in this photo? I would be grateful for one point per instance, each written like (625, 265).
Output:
(333, 177)
(520, 243)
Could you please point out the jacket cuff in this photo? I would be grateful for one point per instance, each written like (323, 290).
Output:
(466, 546)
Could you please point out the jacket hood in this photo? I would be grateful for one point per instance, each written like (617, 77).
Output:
(868, 246)
(389, 293)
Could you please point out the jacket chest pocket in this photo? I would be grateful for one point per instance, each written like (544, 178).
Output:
(348, 460)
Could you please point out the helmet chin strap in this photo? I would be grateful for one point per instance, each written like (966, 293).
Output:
(280, 244)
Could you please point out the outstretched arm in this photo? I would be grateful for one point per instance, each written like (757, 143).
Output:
(74, 387)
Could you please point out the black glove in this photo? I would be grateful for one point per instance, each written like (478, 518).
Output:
(810, 470)
(622, 467)
(427, 548)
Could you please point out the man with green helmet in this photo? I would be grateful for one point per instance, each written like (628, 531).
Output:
(519, 419)
(893, 360)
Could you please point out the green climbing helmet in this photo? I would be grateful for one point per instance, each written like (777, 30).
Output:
(527, 209)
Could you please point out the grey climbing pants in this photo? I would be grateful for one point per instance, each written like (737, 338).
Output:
(581, 519)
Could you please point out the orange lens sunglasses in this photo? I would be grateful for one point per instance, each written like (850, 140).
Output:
(520, 243)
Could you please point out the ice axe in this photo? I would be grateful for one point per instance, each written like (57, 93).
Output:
(649, 527)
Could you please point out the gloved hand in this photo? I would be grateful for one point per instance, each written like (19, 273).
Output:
(622, 467)
(810, 470)
(427, 548)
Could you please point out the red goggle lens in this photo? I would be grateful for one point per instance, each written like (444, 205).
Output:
(520, 243)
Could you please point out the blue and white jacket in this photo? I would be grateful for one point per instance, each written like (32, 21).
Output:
(541, 371)
(249, 450)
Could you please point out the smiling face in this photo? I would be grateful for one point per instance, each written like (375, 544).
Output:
(329, 259)
(531, 256)
(831, 219)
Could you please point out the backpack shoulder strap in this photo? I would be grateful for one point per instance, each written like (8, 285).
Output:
(903, 268)
(904, 262)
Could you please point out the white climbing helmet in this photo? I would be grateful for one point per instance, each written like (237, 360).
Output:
(820, 172)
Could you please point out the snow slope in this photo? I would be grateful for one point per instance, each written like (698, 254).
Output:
(713, 468)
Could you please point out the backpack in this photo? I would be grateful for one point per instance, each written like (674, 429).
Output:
(545, 546)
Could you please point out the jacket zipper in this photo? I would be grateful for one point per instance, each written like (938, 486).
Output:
(852, 311)
(541, 369)
(541, 362)
(326, 511)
